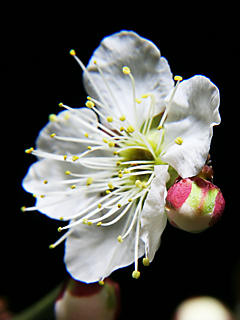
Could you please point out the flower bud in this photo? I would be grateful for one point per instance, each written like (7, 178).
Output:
(194, 204)
(202, 308)
(88, 301)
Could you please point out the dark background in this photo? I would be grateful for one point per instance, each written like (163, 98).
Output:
(38, 73)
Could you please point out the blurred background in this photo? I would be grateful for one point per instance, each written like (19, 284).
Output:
(38, 73)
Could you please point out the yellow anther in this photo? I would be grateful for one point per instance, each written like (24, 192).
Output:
(89, 181)
(144, 185)
(138, 183)
(89, 104)
(99, 205)
(145, 262)
(89, 148)
(118, 163)
(126, 170)
(119, 205)
(145, 96)
(84, 221)
(108, 191)
(52, 117)
(86, 135)
(178, 78)
(89, 98)
(110, 185)
(45, 181)
(126, 70)
(65, 157)
(130, 200)
(75, 158)
(130, 129)
(61, 218)
(120, 239)
(95, 61)
(59, 229)
(178, 140)
(23, 209)
(42, 196)
(138, 101)
(52, 135)
(60, 104)
(105, 140)
(122, 129)
(122, 118)
(110, 119)
(51, 246)
(34, 196)
(120, 175)
(111, 144)
(99, 224)
(159, 127)
(115, 153)
(101, 283)
(30, 150)
(136, 274)
(89, 223)
(67, 172)
(73, 186)
(72, 52)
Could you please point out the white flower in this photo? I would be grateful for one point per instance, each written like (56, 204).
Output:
(104, 168)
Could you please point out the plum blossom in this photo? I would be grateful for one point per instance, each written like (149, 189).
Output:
(105, 168)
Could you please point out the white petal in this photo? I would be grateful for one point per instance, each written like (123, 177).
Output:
(55, 198)
(67, 124)
(150, 71)
(153, 218)
(93, 253)
(193, 113)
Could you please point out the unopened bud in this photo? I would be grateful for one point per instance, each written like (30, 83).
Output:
(194, 204)
(98, 301)
(202, 308)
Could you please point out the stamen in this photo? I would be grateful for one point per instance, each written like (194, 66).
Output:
(136, 274)
(146, 262)
(122, 214)
(72, 52)
(30, 150)
(134, 216)
(126, 70)
(148, 122)
(178, 78)
(52, 118)
(89, 181)
(122, 118)
(107, 85)
(88, 75)
(76, 140)
(101, 282)
(178, 140)
(60, 240)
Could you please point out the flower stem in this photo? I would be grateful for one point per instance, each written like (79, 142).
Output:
(42, 309)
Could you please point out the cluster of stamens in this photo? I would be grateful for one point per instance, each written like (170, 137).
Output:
(122, 177)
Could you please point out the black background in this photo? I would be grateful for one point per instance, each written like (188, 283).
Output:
(38, 73)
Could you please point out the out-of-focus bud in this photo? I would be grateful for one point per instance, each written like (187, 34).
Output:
(84, 301)
(202, 308)
(194, 204)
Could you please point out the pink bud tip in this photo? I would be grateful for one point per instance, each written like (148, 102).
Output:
(194, 204)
